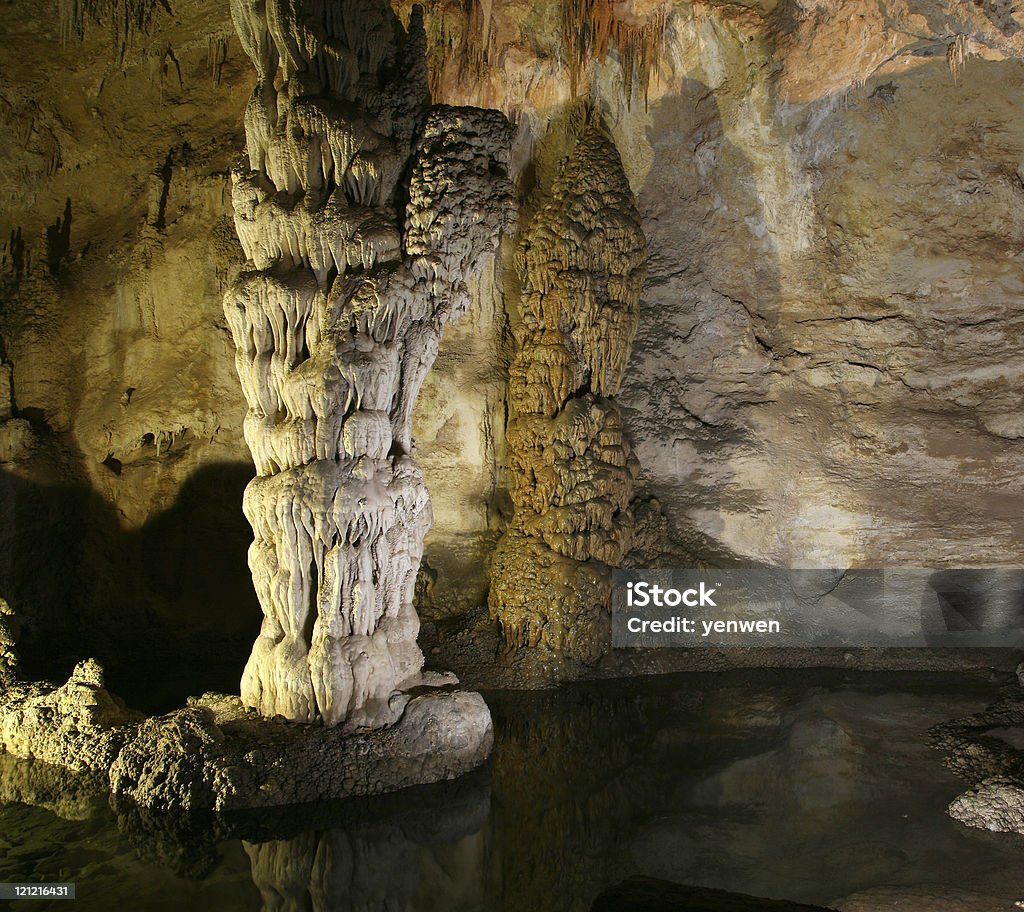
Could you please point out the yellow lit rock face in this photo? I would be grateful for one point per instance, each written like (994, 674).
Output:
(336, 321)
(582, 265)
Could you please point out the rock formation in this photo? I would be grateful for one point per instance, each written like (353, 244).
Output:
(336, 320)
(995, 804)
(8, 644)
(780, 417)
(78, 726)
(215, 755)
(582, 266)
(984, 748)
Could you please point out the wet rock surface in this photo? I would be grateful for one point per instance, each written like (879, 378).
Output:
(987, 748)
(995, 804)
(79, 725)
(215, 755)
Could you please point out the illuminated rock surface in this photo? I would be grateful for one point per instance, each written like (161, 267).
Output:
(824, 369)
(582, 266)
(986, 749)
(215, 755)
(336, 322)
(995, 804)
(9, 630)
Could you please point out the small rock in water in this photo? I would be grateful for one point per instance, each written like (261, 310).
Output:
(997, 804)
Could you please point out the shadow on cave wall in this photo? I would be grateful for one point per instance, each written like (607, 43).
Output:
(168, 609)
(702, 355)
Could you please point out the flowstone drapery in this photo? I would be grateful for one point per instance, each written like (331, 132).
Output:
(582, 266)
(336, 320)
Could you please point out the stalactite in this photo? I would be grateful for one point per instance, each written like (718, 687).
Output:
(590, 28)
(582, 266)
(465, 43)
(126, 19)
(957, 53)
(336, 321)
(216, 56)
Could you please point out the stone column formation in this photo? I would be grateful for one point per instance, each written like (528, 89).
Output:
(336, 319)
(582, 265)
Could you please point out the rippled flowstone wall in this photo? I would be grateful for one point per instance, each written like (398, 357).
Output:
(337, 320)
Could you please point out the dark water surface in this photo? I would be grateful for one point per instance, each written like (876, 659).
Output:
(801, 785)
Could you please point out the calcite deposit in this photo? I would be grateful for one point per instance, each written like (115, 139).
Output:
(994, 804)
(78, 726)
(582, 266)
(985, 749)
(336, 321)
(215, 755)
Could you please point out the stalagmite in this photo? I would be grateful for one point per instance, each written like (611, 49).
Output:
(336, 321)
(582, 269)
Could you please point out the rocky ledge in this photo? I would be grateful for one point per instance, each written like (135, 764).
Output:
(215, 755)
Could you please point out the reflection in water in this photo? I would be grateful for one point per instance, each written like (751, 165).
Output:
(799, 785)
(381, 871)
(431, 855)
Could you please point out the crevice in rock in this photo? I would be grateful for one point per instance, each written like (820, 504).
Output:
(58, 240)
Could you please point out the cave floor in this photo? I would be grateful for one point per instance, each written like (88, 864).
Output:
(813, 786)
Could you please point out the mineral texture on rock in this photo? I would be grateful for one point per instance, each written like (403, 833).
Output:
(78, 726)
(985, 748)
(995, 804)
(582, 266)
(336, 320)
(215, 755)
(8, 644)
(826, 370)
